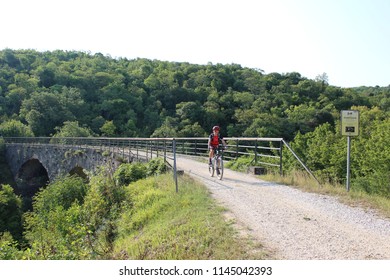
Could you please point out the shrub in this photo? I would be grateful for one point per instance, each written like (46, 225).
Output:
(10, 212)
(156, 166)
(129, 172)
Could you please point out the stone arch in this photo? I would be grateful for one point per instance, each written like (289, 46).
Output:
(79, 171)
(31, 176)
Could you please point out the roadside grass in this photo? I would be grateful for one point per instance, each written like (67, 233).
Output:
(162, 224)
(355, 197)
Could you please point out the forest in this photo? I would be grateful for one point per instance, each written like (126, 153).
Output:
(78, 94)
(71, 93)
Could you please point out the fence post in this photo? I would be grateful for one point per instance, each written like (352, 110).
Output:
(256, 152)
(281, 159)
(174, 163)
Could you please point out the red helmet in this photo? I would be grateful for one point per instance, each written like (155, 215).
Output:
(216, 127)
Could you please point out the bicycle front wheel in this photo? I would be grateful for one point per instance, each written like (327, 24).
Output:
(219, 168)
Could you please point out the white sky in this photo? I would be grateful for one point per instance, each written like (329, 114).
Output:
(347, 39)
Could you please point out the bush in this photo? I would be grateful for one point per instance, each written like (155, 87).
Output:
(129, 172)
(240, 164)
(10, 212)
(156, 166)
(8, 247)
(62, 192)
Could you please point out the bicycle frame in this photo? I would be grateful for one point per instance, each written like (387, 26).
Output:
(217, 163)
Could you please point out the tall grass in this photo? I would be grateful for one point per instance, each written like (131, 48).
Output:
(163, 224)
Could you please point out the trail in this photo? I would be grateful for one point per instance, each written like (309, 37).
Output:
(296, 225)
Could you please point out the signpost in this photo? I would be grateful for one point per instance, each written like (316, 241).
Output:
(349, 127)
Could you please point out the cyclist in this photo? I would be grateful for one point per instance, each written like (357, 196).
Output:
(215, 139)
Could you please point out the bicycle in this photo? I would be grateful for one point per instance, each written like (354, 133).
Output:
(217, 163)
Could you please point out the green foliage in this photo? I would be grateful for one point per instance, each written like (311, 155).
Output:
(325, 152)
(165, 225)
(240, 164)
(9, 247)
(74, 220)
(108, 129)
(15, 128)
(63, 192)
(53, 229)
(130, 172)
(72, 129)
(121, 97)
(156, 166)
(142, 97)
(6, 176)
(10, 212)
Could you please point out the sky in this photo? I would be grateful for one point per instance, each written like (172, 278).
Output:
(349, 40)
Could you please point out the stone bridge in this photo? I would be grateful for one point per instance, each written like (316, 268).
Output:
(33, 166)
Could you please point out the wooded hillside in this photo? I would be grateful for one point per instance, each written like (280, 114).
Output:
(69, 93)
(141, 97)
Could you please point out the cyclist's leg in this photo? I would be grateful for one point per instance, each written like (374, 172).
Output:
(211, 154)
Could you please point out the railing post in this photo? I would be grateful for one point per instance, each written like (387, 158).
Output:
(256, 152)
(136, 145)
(174, 163)
(237, 149)
(281, 159)
(165, 151)
(129, 151)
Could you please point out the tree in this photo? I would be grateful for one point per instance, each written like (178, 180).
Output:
(56, 229)
(108, 129)
(192, 130)
(43, 112)
(10, 212)
(167, 129)
(14, 128)
(189, 112)
(322, 78)
(72, 129)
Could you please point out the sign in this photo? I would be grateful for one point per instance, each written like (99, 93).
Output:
(350, 123)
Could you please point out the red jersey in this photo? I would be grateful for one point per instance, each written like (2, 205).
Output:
(215, 140)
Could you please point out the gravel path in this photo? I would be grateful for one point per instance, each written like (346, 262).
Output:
(296, 225)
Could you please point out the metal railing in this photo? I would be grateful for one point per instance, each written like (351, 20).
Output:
(263, 151)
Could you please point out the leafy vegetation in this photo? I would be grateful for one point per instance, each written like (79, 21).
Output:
(111, 218)
(164, 224)
(71, 94)
(5, 174)
(68, 93)
(141, 97)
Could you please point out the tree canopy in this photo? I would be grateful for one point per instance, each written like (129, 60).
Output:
(143, 97)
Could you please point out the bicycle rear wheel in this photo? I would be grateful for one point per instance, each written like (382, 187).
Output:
(219, 167)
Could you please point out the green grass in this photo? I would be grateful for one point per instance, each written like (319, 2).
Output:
(163, 224)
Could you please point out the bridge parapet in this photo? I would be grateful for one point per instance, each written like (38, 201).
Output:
(57, 159)
(264, 151)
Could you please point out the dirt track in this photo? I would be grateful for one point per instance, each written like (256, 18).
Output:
(294, 224)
